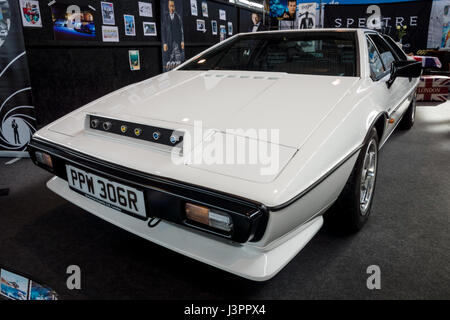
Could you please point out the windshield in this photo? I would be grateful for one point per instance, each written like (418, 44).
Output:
(320, 53)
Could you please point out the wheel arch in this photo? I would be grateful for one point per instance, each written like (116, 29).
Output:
(379, 123)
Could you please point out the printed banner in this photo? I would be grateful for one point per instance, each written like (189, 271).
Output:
(439, 29)
(433, 88)
(306, 16)
(14, 286)
(172, 34)
(110, 34)
(406, 23)
(17, 119)
(31, 14)
(283, 9)
(72, 22)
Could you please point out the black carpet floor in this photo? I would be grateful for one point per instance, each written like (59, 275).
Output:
(408, 237)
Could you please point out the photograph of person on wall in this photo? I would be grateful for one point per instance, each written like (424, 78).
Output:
(172, 36)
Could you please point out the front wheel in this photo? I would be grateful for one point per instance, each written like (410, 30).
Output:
(352, 209)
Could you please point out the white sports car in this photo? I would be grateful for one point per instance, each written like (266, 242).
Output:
(182, 159)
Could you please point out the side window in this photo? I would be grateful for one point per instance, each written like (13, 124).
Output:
(397, 50)
(376, 66)
(383, 48)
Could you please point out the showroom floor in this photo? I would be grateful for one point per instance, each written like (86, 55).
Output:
(408, 237)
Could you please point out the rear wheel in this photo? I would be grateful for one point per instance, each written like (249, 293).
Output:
(352, 209)
(409, 116)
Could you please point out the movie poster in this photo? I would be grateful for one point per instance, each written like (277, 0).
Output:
(31, 14)
(283, 9)
(306, 16)
(214, 27)
(149, 29)
(13, 286)
(439, 28)
(145, 9)
(108, 13)
(205, 9)
(130, 25)
(110, 34)
(17, 119)
(223, 33)
(411, 18)
(72, 22)
(222, 15)
(172, 34)
(133, 57)
(194, 8)
(40, 292)
(201, 25)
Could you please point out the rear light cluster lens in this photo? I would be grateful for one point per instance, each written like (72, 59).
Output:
(209, 217)
(44, 158)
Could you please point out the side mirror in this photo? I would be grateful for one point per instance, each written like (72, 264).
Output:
(404, 69)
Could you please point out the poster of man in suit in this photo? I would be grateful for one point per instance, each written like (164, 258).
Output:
(172, 34)
(306, 15)
(257, 23)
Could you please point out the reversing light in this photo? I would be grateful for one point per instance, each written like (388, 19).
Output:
(44, 158)
(206, 216)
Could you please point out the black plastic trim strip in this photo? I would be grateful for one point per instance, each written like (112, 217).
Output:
(145, 131)
(240, 200)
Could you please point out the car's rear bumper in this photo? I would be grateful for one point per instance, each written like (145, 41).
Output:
(243, 260)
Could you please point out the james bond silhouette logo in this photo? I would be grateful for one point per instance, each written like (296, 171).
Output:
(16, 116)
(17, 120)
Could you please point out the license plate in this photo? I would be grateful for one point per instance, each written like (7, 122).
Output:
(109, 193)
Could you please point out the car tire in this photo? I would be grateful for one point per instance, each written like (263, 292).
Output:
(409, 117)
(352, 209)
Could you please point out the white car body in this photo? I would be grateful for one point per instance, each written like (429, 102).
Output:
(322, 129)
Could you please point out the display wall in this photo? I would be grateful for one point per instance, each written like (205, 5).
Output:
(67, 73)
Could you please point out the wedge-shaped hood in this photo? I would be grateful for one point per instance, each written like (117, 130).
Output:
(293, 104)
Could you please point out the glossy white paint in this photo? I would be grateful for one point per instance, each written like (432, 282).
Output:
(245, 261)
(324, 121)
